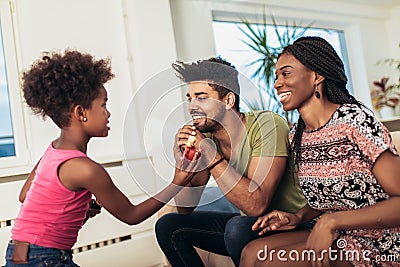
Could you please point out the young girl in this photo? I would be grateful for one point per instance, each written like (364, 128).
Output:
(69, 88)
(347, 166)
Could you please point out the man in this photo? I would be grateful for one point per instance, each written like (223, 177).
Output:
(246, 154)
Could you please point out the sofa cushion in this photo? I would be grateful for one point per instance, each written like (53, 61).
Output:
(213, 199)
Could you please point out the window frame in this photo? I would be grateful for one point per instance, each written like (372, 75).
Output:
(11, 164)
(228, 17)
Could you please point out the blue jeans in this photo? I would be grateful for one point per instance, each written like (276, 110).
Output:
(39, 256)
(238, 234)
(218, 232)
(178, 234)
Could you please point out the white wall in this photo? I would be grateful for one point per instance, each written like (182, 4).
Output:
(370, 32)
(394, 35)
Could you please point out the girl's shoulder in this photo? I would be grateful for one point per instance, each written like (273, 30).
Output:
(80, 172)
(83, 166)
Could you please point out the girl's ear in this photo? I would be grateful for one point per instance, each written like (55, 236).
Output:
(230, 100)
(79, 113)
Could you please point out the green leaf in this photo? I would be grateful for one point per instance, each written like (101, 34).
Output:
(255, 37)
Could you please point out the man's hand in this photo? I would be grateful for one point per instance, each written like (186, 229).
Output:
(184, 133)
(181, 139)
(206, 149)
(185, 169)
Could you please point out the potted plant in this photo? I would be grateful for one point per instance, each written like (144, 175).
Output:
(385, 97)
(256, 38)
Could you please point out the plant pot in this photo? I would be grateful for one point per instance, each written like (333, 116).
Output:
(386, 112)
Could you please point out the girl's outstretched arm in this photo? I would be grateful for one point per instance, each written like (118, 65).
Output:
(83, 173)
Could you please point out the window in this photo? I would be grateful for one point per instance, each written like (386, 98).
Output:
(7, 146)
(13, 149)
(229, 45)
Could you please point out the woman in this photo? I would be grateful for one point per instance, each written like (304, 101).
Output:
(348, 169)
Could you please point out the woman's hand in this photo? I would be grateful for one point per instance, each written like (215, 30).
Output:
(320, 240)
(276, 220)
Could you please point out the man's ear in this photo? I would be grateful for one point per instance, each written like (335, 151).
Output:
(79, 113)
(230, 100)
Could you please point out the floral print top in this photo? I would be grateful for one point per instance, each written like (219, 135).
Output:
(335, 174)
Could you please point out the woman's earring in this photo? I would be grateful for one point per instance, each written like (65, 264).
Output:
(317, 94)
(84, 119)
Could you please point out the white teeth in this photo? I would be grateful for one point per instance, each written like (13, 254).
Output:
(284, 95)
(196, 117)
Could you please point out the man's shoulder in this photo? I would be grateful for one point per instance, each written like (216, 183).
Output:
(264, 116)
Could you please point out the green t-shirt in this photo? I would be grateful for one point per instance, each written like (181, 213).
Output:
(267, 136)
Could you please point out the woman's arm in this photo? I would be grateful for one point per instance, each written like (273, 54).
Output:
(307, 214)
(385, 214)
(27, 184)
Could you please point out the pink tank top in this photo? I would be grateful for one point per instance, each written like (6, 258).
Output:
(51, 214)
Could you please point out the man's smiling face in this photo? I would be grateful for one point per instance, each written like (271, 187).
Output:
(205, 106)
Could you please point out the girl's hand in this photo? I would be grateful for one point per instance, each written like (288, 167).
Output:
(186, 169)
(205, 151)
(181, 139)
(320, 240)
(94, 209)
(276, 220)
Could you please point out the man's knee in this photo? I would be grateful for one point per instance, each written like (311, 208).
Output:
(237, 227)
(231, 228)
(166, 224)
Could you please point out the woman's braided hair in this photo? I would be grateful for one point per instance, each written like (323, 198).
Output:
(318, 55)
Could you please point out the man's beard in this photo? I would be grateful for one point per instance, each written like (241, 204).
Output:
(212, 124)
(208, 126)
